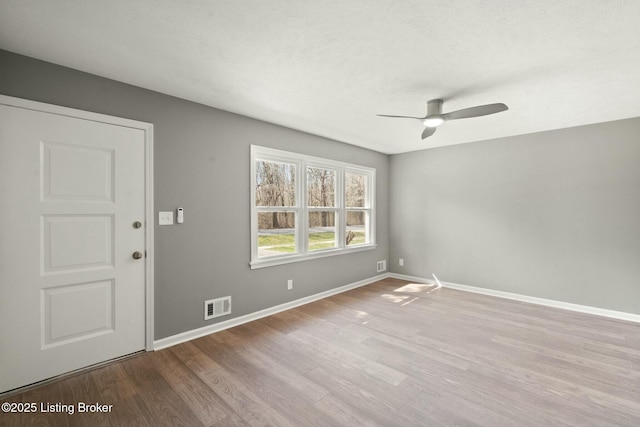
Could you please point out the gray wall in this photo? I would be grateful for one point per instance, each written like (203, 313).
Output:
(202, 164)
(553, 215)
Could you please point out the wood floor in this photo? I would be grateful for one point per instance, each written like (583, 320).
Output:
(390, 353)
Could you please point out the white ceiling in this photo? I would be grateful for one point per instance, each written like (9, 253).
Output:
(328, 67)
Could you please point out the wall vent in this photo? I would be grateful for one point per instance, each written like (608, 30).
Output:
(217, 307)
(382, 265)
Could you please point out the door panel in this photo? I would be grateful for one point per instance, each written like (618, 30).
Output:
(92, 303)
(63, 234)
(77, 172)
(71, 295)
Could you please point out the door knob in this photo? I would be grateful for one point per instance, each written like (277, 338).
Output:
(137, 224)
(137, 255)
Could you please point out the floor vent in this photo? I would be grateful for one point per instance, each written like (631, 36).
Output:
(217, 307)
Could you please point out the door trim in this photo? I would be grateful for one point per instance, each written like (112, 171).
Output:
(147, 128)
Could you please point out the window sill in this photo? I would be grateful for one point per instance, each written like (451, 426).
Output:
(270, 262)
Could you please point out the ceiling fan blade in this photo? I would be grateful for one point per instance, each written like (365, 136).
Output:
(401, 117)
(427, 132)
(481, 110)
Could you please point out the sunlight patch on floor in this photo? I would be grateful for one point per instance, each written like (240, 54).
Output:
(414, 288)
(395, 298)
(361, 314)
(418, 288)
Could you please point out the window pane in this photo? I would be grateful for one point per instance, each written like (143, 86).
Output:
(275, 184)
(357, 228)
(355, 189)
(276, 233)
(321, 187)
(322, 230)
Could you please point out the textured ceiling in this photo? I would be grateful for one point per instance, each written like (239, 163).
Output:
(328, 67)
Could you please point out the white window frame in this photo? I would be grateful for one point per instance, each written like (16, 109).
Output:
(302, 209)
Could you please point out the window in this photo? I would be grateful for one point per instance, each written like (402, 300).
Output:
(305, 207)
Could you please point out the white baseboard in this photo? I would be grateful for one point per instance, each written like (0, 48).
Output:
(620, 315)
(236, 321)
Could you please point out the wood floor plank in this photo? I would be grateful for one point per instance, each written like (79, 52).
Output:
(277, 345)
(82, 388)
(204, 402)
(389, 353)
(277, 394)
(113, 383)
(164, 404)
(265, 363)
(338, 356)
(575, 398)
(342, 413)
(242, 400)
(131, 412)
(379, 404)
(576, 362)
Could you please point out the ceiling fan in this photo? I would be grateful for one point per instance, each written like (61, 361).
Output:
(435, 117)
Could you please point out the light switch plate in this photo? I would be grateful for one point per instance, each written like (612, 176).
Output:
(165, 218)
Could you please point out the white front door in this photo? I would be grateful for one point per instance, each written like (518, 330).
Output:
(71, 292)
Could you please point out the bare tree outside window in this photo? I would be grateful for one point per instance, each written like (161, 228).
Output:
(321, 192)
(275, 187)
(355, 189)
(355, 197)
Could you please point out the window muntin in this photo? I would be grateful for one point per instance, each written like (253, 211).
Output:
(305, 207)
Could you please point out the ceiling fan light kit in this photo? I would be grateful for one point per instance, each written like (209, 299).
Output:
(435, 118)
(433, 122)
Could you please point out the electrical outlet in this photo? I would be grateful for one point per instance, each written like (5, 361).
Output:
(381, 266)
(289, 284)
(401, 262)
